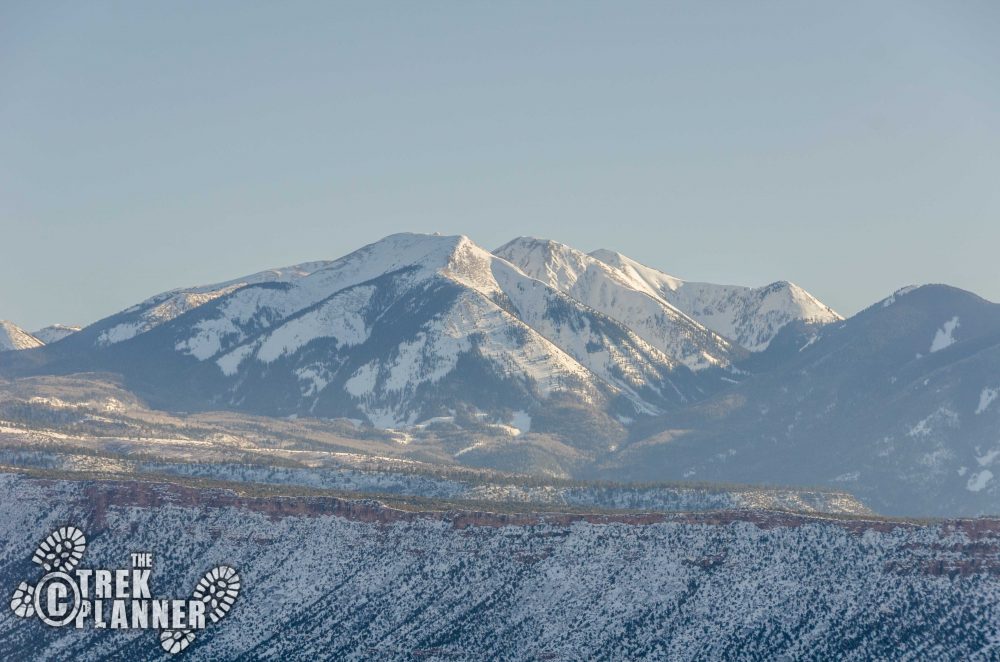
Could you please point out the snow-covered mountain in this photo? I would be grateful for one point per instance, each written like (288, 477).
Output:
(898, 404)
(414, 327)
(607, 290)
(13, 337)
(402, 330)
(748, 316)
(599, 368)
(55, 333)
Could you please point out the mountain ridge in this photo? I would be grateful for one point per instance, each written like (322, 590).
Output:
(894, 404)
(751, 316)
(450, 301)
(540, 358)
(600, 287)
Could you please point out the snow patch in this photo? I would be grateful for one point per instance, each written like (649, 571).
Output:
(945, 335)
(921, 429)
(119, 333)
(987, 459)
(521, 421)
(888, 301)
(314, 379)
(813, 338)
(979, 480)
(942, 417)
(230, 363)
(986, 398)
(478, 444)
(339, 318)
(362, 382)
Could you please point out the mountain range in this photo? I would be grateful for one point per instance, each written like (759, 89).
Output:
(534, 318)
(610, 367)
(896, 404)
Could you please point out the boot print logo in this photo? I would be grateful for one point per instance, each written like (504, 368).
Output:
(120, 598)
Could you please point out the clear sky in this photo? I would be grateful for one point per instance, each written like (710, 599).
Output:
(851, 147)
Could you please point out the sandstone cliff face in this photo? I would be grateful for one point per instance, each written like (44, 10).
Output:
(327, 578)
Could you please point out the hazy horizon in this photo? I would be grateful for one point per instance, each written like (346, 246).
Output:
(849, 148)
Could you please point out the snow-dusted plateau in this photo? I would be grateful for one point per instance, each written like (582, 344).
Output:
(425, 449)
(326, 578)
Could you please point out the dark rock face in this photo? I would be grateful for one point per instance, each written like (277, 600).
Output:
(334, 579)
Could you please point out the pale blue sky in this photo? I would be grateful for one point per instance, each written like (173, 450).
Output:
(849, 147)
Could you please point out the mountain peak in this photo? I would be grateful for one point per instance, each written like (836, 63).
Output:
(408, 249)
(747, 315)
(546, 260)
(54, 332)
(409, 327)
(13, 337)
(548, 248)
(411, 240)
(614, 293)
(931, 294)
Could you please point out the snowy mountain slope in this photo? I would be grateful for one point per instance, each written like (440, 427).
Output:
(602, 288)
(327, 578)
(13, 337)
(899, 403)
(164, 307)
(612, 351)
(478, 307)
(99, 426)
(402, 330)
(896, 404)
(749, 316)
(55, 333)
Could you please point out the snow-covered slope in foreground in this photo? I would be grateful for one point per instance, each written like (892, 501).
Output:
(749, 316)
(323, 578)
(13, 337)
